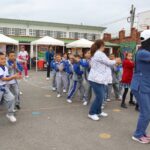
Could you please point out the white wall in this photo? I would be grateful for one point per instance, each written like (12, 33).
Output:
(51, 28)
(143, 20)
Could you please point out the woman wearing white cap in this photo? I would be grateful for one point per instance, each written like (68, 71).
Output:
(141, 88)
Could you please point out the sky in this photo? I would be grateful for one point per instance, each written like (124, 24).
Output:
(87, 12)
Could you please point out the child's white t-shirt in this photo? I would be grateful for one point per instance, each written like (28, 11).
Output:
(23, 55)
(3, 73)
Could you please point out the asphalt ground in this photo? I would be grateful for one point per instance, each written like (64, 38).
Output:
(48, 123)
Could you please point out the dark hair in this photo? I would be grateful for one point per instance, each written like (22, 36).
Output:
(97, 45)
(10, 52)
(146, 45)
(1, 54)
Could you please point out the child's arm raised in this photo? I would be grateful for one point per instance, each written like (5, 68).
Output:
(16, 76)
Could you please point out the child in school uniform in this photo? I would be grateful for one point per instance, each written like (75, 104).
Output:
(69, 71)
(115, 81)
(53, 72)
(5, 93)
(77, 80)
(13, 68)
(66, 65)
(61, 78)
(85, 63)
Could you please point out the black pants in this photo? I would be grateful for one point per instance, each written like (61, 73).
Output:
(48, 71)
(125, 95)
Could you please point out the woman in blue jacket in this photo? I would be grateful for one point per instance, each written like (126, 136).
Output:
(141, 88)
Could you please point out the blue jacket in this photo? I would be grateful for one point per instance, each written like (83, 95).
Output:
(66, 66)
(77, 69)
(19, 66)
(86, 67)
(49, 56)
(56, 66)
(141, 77)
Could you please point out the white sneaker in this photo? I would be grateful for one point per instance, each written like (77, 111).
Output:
(85, 103)
(58, 95)
(53, 88)
(69, 101)
(47, 78)
(27, 76)
(64, 91)
(120, 97)
(11, 118)
(21, 93)
(108, 100)
(93, 117)
(14, 110)
(103, 114)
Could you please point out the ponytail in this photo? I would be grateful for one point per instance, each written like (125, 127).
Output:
(97, 45)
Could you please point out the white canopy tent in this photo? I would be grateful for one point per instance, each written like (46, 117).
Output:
(82, 43)
(8, 41)
(45, 41)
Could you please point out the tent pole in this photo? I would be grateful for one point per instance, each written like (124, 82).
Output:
(36, 58)
(30, 56)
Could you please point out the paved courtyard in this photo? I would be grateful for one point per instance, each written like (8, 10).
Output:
(48, 123)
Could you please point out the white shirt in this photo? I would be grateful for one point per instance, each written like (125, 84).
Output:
(23, 56)
(101, 68)
(3, 73)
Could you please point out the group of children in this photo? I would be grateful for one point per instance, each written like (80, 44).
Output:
(70, 76)
(10, 73)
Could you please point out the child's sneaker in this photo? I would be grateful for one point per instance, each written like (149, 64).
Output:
(58, 95)
(142, 140)
(18, 107)
(93, 117)
(11, 118)
(64, 91)
(124, 106)
(14, 111)
(53, 88)
(108, 100)
(47, 78)
(103, 114)
(69, 101)
(20, 93)
(85, 103)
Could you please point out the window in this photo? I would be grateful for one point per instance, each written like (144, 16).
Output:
(6, 31)
(81, 35)
(72, 35)
(89, 36)
(22, 31)
(1, 30)
(63, 34)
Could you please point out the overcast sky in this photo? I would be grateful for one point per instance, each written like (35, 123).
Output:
(89, 12)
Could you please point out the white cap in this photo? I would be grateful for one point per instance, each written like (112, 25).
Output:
(145, 35)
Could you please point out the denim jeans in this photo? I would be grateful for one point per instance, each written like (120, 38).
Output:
(99, 90)
(143, 100)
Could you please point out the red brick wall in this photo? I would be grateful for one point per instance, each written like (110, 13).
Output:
(134, 37)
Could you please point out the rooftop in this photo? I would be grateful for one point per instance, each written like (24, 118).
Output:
(44, 23)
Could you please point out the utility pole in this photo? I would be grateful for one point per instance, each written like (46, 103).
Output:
(132, 16)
